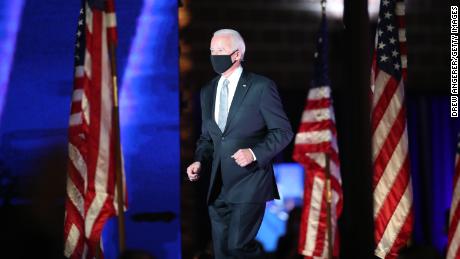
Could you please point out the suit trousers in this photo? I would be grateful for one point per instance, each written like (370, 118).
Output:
(234, 228)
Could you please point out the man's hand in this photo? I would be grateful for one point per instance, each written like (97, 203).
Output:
(243, 157)
(193, 171)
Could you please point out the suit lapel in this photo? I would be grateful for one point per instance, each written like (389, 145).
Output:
(240, 93)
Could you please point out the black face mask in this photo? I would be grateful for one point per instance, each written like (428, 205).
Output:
(220, 63)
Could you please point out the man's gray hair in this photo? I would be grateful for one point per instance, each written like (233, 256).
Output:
(237, 40)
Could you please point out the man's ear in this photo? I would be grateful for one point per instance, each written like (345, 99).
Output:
(238, 55)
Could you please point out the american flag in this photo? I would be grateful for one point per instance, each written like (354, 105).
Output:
(91, 194)
(453, 251)
(316, 138)
(393, 215)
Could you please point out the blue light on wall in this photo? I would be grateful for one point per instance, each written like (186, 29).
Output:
(149, 110)
(10, 14)
(432, 143)
(36, 110)
(443, 141)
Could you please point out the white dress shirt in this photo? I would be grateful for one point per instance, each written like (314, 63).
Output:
(233, 83)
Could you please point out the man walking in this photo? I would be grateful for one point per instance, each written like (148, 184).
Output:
(243, 127)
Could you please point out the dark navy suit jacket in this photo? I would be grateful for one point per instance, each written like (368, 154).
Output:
(256, 120)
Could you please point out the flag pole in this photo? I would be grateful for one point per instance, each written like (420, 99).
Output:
(328, 208)
(118, 159)
(328, 179)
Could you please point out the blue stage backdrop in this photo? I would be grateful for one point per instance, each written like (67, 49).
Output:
(37, 100)
(432, 144)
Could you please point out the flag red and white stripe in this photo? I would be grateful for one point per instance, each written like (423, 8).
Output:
(392, 187)
(91, 190)
(453, 247)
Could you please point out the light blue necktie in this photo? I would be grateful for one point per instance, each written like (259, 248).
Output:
(223, 106)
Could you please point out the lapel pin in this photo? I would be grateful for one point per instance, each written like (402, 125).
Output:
(244, 85)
